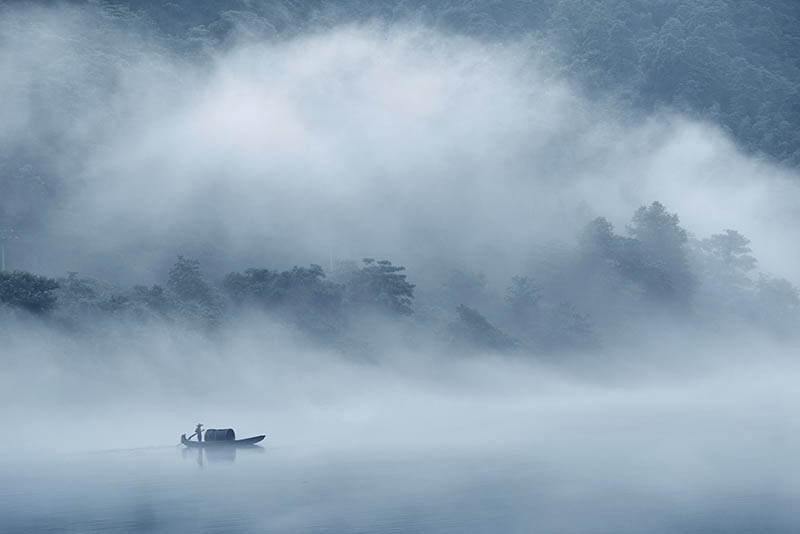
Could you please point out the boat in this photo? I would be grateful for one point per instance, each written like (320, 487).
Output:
(224, 437)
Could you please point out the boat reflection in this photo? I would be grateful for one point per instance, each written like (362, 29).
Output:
(219, 454)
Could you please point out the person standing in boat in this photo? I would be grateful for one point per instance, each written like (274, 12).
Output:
(199, 432)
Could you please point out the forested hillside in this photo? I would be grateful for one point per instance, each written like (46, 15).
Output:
(518, 161)
(580, 299)
(736, 63)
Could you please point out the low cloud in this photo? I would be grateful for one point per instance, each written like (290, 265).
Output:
(402, 143)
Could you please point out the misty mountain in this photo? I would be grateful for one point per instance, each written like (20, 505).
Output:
(733, 63)
(110, 64)
(494, 150)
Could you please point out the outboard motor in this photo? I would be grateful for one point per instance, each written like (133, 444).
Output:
(222, 434)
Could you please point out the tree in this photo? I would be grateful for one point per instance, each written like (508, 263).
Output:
(153, 297)
(601, 248)
(81, 297)
(301, 295)
(145, 303)
(658, 256)
(597, 240)
(725, 267)
(474, 329)
(186, 281)
(273, 289)
(253, 285)
(380, 284)
(730, 250)
(196, 299)
(28, 291)
(611, 273)
(657, 229)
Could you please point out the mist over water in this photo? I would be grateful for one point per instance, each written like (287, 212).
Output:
(439, 152)
(418, 441)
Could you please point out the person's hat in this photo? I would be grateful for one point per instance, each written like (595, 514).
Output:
(199, 424)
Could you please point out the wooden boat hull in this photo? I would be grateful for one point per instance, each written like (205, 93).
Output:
(232, 443)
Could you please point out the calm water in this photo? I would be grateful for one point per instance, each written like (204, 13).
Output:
(488, 452)
(589, 485)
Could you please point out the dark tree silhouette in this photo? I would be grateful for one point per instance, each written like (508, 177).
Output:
(28, 291)
(301, 294)
(472, 328)
(658, 258)
(381, 285)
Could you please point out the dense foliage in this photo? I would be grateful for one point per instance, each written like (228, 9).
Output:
(27, 291)
(733, 62)
(380, 285)
(300, 295)
(569, 300)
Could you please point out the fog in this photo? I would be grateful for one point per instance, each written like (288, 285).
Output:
(437, 442)
(349, 143)
(437, 152)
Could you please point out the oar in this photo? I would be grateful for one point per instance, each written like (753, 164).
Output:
(187, 439)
